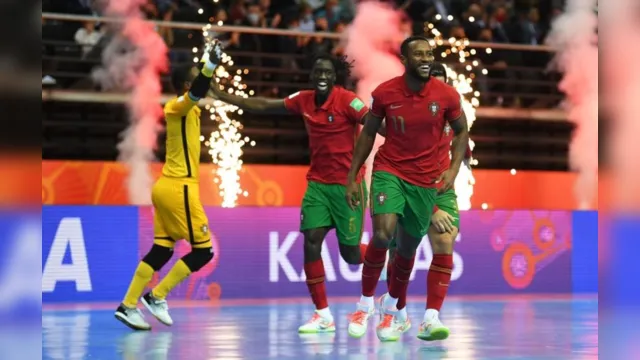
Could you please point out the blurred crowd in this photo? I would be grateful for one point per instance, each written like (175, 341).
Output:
(499, 21)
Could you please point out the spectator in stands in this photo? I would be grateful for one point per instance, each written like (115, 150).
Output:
(338, 45)
(164, 31)
(306, 20)
(331, 12)
(474, 21)
(87, 36)
(496, 23)
(237, 11)
(318, 44)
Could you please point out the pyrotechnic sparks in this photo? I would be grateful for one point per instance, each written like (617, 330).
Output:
(226, 143)
(469, 98)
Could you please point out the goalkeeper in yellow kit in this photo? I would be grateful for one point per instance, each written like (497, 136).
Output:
(178, 212)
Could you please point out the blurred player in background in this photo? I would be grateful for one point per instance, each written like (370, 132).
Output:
(178, 212)
(406, 169)
(332, 116)
(445, 225)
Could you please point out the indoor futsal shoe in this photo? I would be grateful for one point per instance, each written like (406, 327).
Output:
(133, 318)
(158, 308)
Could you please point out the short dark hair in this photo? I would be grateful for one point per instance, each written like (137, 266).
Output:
(179, 75)
(404, 47)
(341, 65)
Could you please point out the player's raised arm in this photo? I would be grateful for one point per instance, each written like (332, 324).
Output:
(258, 105)
(197, 89)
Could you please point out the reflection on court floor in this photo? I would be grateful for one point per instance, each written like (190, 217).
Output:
(502, 329)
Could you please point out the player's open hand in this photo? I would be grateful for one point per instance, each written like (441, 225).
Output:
(212, 52)
(353, 195)
(442, 221)
(446, 180)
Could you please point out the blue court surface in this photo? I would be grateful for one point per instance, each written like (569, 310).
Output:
(481, 328)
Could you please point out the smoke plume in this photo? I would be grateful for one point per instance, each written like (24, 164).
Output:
(574, 37)
(133, 62)
(370, 44)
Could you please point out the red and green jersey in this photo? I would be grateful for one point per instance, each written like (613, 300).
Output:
(333, 129)
(415, 124)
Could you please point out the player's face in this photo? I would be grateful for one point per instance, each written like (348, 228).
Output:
(323, 76)
(419, 59)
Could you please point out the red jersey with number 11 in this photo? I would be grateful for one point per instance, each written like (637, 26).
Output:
(415, 123)
(332, 128)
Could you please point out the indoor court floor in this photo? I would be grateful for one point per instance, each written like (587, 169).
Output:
(516, 327)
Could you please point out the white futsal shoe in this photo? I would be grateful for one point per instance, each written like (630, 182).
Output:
(317, 324)
(359, 320)
(158, 308)
(132, 317)
(432, 329)
(388, 328)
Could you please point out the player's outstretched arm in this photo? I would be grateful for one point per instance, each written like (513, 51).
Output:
(258, 105)
(364, 145)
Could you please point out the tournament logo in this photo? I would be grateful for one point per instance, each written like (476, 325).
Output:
(434, 108)
(382, 197)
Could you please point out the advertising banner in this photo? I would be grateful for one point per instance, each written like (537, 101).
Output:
(259, 254)
(90, 254)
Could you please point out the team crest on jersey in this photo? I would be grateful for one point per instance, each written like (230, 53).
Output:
(330, 118)
(205, 229)
(434, 108)
(382, 197)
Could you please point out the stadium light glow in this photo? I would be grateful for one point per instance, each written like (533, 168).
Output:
(469, 99)
(226, 142)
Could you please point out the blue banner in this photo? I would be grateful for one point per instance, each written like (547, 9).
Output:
(585, 252)
(20, 238)
(88, 253)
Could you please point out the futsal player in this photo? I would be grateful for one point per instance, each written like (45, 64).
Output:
(178, 212)
(405, 172)
(445, 225)
(332, 115)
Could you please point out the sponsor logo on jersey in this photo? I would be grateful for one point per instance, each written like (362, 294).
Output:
(434, 108)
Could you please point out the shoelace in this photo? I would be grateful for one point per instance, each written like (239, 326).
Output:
(314, 318)
(386, 320)
(359, 317)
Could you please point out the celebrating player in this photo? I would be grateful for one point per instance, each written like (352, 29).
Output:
(445, 224)
(332, 116)
(178, 213)
(405, 171)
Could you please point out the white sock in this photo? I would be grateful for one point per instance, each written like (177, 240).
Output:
(325, 313)
(402, 314)
(367, 301)
(430, 314)
(390, 302)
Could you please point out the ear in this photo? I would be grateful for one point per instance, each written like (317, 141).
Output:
(403, 59)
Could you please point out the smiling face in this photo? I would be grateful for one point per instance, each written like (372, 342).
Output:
(323, 76)
(418, 59)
